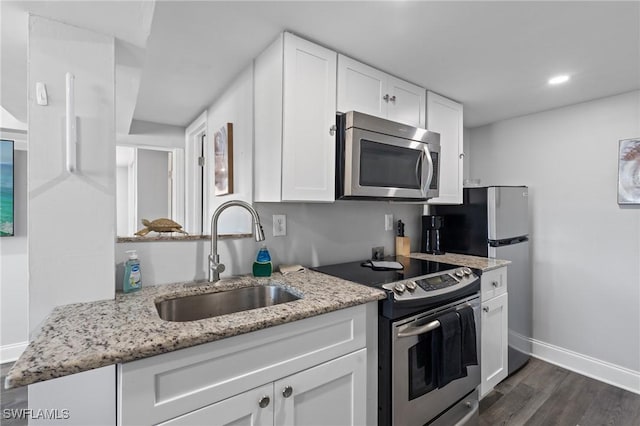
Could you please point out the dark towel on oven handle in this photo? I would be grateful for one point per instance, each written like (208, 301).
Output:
(468, 335)
(448, 346)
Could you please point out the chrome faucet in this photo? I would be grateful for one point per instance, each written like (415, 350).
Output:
(215, 267)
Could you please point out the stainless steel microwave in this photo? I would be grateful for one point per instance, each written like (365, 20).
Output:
(382, 159)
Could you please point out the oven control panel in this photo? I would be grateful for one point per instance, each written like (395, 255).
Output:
(431, 285)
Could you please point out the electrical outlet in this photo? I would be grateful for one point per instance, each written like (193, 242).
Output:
(377, 253)
(279, 225)
(388, 222)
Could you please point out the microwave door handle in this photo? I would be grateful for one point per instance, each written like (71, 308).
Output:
(427, 176)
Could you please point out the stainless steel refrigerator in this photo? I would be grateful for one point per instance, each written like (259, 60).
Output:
(494, 222)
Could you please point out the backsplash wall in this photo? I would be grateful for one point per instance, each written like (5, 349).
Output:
(316, 234)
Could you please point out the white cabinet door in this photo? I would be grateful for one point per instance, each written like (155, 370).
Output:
(493, 283)
(361, 88)
(494, 364)
(444, 116)
(251, 408)
(308, 146)
(333, 393)
(406, 102)
(365, 89)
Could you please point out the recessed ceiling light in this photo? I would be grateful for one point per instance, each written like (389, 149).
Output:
(559, 79)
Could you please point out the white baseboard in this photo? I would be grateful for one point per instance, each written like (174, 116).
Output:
(587, 366)
(10, 353)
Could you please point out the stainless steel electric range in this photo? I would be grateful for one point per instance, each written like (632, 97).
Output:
(428, 375)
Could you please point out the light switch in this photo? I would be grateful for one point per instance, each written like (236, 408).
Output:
(41, 94)
(388, 222)
(279, 225)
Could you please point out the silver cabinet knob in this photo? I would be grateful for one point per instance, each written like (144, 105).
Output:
(386, 98)
(461, 155)
(287, 391)
(494, 283)
(264, 401)
(332, 130)
(393, 98)
(486, 309)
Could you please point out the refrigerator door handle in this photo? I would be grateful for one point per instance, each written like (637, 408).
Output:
(508, 241)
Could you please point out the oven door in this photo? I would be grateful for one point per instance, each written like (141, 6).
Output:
(416, 399)
(382, 166)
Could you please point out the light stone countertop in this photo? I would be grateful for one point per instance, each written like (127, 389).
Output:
(84, 336)
(482, 263)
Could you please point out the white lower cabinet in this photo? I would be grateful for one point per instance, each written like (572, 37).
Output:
(239, 410)
(333, 393)
(494, 365)
(307, 372)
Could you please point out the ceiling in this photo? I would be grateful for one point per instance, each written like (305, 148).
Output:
(494, 57)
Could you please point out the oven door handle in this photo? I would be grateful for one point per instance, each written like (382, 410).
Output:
(416, 331)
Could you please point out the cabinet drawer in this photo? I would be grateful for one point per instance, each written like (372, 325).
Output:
(165, 386)
(493, 283)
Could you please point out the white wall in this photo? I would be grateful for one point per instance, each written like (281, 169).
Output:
(71, 216)
(234, 106)
(317, 234)
(585, 247)
(153, 185)
(145, 133)
(14, 296)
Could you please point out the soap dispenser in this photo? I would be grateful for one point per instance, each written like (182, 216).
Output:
(132, 275)
(262, 267)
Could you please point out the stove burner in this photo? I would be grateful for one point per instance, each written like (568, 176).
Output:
(413, 268)
(422, 284)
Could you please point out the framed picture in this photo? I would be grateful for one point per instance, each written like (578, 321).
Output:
(223, 159)
(629, 171)
(6, 189)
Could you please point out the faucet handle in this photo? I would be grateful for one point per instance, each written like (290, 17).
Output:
(218, 267)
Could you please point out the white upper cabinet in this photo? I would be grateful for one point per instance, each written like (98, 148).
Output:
(295, 106)
(444, 116)
(365, 89)
(406, 102)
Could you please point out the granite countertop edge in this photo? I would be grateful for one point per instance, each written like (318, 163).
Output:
(482, 263)
(84, 336)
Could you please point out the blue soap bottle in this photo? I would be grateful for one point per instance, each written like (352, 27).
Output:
(132, 274)
(262, 267)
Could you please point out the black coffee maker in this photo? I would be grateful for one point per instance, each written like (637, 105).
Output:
(431, 226)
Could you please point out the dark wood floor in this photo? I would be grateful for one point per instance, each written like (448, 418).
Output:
(541, 394)
(11, 399)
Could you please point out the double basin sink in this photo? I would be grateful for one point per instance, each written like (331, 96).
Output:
(201, 306)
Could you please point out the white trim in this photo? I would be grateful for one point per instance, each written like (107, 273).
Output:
(603, 371)
(193, 192)
(10, 353)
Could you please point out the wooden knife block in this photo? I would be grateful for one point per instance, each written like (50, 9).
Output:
(402, 246)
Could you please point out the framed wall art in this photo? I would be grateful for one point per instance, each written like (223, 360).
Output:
(629, 171)
(223, 159)
(6, 188)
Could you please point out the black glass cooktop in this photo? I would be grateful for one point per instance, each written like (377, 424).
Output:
(354, 271)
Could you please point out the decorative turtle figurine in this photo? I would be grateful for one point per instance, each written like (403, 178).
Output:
(159, 225)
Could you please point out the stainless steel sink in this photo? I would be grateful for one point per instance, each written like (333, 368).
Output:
(201, 306)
